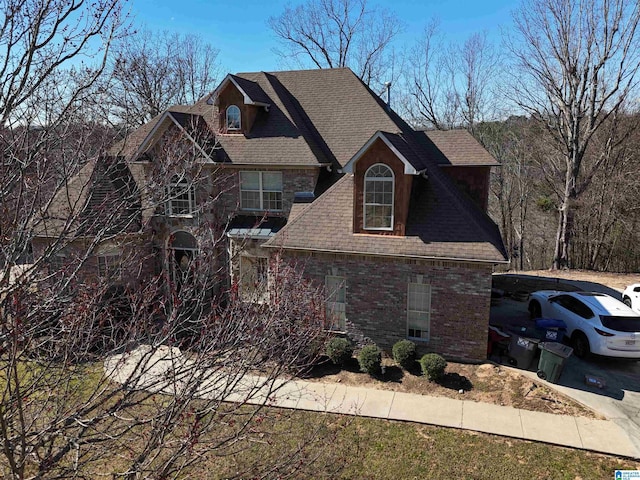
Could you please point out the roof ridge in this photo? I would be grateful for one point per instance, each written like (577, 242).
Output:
(309, 132)
(273, 72)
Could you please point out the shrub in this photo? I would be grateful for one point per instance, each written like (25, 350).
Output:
(370, 358)
(433, 366)
(404, 353)
(339, 350)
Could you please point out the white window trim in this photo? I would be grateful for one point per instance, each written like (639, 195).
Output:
(239, 127)
(332, 304)
(364, 197)
(112, 265)
(262, 191)
(176, 185)
(409, 311)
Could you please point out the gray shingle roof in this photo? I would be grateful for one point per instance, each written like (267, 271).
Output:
(458, 148)
(436, 228)
(325, 116)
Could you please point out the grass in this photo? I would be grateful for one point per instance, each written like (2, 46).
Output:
(316, 445)
(379, 449)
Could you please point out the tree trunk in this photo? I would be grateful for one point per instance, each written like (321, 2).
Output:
(565, 221)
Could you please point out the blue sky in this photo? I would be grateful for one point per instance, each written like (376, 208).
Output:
(238, 28)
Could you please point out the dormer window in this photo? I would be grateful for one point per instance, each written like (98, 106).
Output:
(233, 118)
(378, 198)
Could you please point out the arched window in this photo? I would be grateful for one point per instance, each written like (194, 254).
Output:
(233, 118)
(378, 198)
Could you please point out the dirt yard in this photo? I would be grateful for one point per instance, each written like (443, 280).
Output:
(481, 383)
(613, 280)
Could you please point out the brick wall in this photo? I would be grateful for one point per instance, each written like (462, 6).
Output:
(474, 181)
(227, 188)
(377, 300)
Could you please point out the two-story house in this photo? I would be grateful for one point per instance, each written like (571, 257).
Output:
(312, 167)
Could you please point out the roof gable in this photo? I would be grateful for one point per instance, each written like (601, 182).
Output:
(188, 124)
(412, 165)
(251, 92)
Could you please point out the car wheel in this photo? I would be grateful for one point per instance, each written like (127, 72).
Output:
(534, 310)
(627, 301)
(581, 345)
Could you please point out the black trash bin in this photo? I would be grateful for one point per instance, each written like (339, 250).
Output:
(523, 350)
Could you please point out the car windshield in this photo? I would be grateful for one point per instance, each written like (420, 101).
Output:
(621, 324)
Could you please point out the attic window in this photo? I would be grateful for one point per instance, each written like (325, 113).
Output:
(378, 198)
(233, 117)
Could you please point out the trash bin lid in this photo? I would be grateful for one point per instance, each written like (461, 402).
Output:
(550, 323)
(557, 349)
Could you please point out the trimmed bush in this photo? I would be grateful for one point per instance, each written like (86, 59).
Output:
(433, 366)
(339, 350)
(404, 353)
(370, 359)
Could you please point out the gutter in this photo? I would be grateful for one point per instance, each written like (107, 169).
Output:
(387, 255)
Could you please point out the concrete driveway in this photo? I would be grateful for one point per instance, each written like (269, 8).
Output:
(619, 400)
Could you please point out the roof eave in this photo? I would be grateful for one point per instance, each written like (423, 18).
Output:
(409, 169)
(245, 97)
(387, 255)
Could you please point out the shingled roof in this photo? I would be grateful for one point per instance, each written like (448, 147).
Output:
(102, 197)
(437, 228)
(326, 117)
(458, 148)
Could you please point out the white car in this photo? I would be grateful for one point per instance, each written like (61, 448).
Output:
(596, 323)
(631, 296)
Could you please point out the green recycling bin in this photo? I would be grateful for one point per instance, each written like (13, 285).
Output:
(552, 358)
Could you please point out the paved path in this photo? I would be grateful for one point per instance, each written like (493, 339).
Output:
(578, 432)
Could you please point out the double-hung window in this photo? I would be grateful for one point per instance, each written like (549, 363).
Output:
(182, 198)
(418, 310)
(378, 198)
(261, 190)
(109, 266)
(336, 288)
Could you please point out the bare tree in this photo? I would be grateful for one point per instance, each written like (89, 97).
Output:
(153, 71)
(119, 356)
(575, 65)
(451, 86)
(511, 183)
(602, 213)
(38, 39)
(339, 33)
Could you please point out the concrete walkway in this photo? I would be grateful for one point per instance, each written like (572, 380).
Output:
(163, 375)
(577, 432)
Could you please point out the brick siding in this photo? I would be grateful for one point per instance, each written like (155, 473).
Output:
(377, 300)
